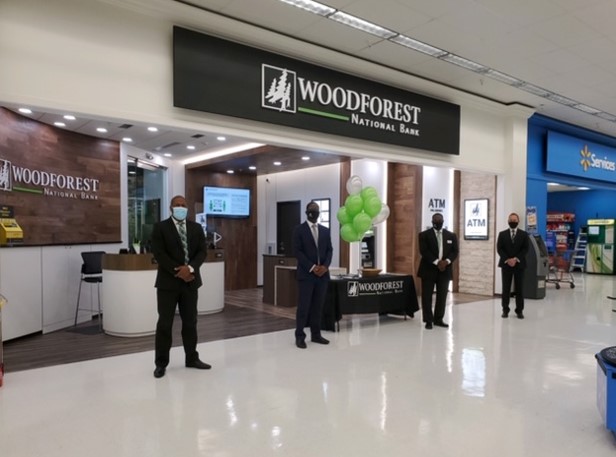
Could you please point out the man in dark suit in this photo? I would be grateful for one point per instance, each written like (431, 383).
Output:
(312, 245)
(179, 248)
(512, 246)
(438, 248)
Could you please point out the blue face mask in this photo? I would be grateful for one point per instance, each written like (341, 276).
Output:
(179, 213)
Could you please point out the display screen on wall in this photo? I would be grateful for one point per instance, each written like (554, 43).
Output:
(63, 187)
(476, 219)
(226, 202)
(218, 76)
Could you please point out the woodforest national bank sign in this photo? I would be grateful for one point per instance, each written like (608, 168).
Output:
(222, 77)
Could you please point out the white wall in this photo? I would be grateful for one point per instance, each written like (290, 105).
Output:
(304, 185)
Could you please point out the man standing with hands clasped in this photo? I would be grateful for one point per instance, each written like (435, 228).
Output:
(312, 245)
(512, 246)
(179, 248)
(438, 248)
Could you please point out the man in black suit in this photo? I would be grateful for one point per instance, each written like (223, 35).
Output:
(312, 245)
(179, 248)
(438, 248)
(512, 246)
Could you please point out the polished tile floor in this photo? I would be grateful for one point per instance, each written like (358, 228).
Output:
(384, 387)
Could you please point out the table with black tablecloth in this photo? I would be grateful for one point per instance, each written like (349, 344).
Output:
(385, 293)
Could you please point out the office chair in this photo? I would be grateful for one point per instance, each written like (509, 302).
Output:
(92, 273)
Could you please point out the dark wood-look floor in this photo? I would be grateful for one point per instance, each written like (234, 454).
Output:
(244, 314)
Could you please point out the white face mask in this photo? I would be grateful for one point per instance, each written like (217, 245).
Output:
(179, 213)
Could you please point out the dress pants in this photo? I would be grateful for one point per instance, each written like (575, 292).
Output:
(186, 300)
(310, 308)
(517, 275)
(427, 287)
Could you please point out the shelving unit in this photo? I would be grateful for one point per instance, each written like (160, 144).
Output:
(560, 230)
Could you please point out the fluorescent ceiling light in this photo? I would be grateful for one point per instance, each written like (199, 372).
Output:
(277, 163)
(504, 78)
(25, 110)
(360, 24)
(553, 184)
(252, 167)
(69, 117)
(562, 100)
(152, 129)
(230, 172)
(583, 188)
(222, 152)
(127, 139)
(221, 138)
(311, 6)
(101, 129)
(191, 147)
(59, 124)
(464, 63)
(305, 158)
(417, 45)
(586, 108)
(535, 90)
(168, 154)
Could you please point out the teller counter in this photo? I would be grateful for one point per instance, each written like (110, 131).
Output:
(128, 294)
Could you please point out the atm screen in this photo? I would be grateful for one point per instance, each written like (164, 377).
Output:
(541, 245)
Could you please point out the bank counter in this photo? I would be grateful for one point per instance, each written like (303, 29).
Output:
(385, 293)
(129, 297)
(128, 294)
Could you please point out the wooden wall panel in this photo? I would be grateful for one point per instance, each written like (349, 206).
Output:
(239, 236)
(404, 194)
(40, 162)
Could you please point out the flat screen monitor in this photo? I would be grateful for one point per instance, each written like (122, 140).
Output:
(226, 202)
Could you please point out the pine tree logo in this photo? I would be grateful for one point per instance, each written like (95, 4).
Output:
(352, 289)
(5, 175)
(278, 88)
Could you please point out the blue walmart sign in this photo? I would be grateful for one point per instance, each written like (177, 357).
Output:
(574, 156)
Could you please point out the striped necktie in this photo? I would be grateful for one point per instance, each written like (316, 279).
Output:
(182, 232)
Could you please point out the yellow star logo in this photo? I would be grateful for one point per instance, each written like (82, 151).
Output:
(585, 153)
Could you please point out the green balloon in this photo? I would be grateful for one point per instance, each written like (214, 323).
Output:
(372, 206)
(362, 222)
(368, 192)
(343, 216)
(353, 204)
(348, 233)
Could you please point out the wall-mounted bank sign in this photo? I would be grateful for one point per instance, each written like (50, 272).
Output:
(222, 77)
(476, 219)
(574, 156)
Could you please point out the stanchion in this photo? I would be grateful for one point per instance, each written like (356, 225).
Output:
(2, 303)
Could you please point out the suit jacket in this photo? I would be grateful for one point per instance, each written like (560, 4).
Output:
(305, 250)
(428, 248)
(517, 248)
(168, 252)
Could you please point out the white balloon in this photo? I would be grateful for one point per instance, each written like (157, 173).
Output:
(354, 185)
(383, 214)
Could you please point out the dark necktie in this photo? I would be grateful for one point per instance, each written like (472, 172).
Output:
(315, 235)
(182, 232)
(512, 235)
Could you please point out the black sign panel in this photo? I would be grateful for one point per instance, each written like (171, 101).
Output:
(222, 77)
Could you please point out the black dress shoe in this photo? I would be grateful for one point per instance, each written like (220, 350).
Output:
(198, 364)
(429, 325)
(300, 344)
(319, 339)
(505, 315)
(520, 314)
(442, 324)
(159, 372)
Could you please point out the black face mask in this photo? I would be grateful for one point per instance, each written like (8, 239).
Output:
(437, 225)
(513, 225)
(313, 216)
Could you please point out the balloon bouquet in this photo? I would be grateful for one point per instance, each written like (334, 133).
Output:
(362, 209)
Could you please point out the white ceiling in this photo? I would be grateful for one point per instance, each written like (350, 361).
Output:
(565, 46)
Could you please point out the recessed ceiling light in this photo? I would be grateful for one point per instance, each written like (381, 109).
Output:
(153, 129)
(252, 167)
(127, 139)
(168, 154)
(221, 138)
(277, 163)
(553, 184)
(101, 129)
(191, 147)
(230, 172)
(583, 188)
(305, 158)
(69, 117)
(25, 110)
(132, 172)
(59, 124)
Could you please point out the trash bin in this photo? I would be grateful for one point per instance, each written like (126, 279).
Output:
(606, 387)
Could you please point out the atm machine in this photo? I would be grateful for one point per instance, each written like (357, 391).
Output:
(11, 233)
(537, 268)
